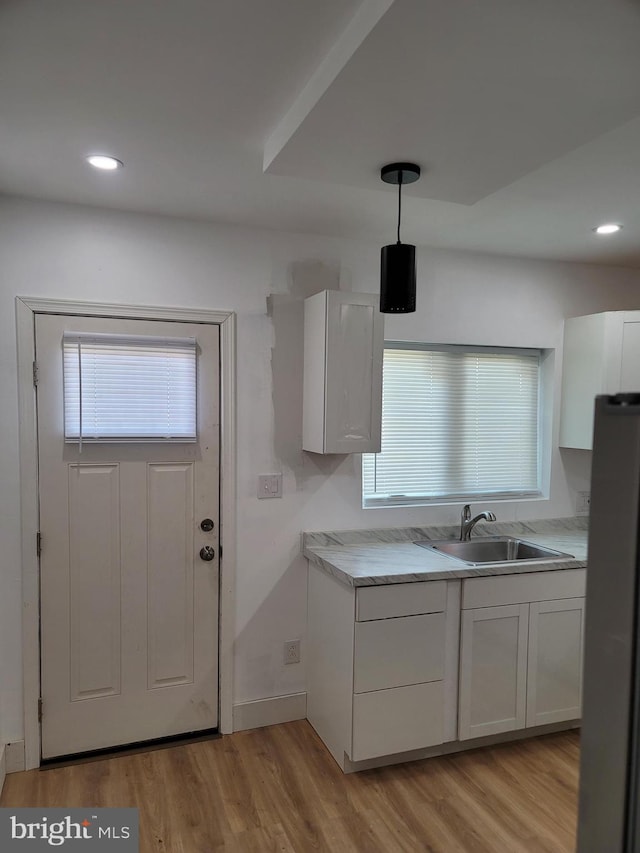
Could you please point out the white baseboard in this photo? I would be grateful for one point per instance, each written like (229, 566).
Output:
(3, 768)
(14, 757)
(269, 712)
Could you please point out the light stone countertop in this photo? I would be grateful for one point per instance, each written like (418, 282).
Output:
(370, 557)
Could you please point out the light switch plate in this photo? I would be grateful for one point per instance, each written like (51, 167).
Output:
(270, 486)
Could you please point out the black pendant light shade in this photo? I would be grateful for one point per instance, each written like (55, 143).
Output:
(398, 279)
(398, 261)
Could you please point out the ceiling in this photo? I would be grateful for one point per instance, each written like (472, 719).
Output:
(525, 117)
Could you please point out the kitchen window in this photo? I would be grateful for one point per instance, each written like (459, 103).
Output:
(458, 423)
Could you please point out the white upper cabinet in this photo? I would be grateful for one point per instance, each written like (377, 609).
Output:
(343, 347)
(601, 356)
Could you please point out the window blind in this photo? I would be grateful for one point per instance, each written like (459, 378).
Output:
(129, 388)
(456, 424)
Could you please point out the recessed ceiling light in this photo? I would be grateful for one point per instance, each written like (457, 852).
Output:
(102, 161)
(608, 228)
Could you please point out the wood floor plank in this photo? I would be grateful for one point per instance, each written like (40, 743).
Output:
(278, 789)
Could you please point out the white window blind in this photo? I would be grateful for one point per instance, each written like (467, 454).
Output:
(129, 388)
(456, 424)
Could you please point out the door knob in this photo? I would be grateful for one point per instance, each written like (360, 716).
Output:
(207, 553)
(207, 525)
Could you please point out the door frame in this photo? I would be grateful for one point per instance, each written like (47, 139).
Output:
(26, 309)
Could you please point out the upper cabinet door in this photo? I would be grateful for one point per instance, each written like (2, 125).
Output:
(601, 356)
(630, 361)
(343, 348)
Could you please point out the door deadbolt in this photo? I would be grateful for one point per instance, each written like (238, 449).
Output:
(207, 525)
(207, 553)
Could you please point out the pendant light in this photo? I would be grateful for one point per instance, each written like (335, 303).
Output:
(398, 261)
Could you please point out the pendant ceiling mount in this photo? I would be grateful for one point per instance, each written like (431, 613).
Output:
(400, 173)
(398, 261)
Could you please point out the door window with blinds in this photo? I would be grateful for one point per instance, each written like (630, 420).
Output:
(129, 389)
(457, 423)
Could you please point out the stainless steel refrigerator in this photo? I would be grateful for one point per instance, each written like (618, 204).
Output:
(609, 814)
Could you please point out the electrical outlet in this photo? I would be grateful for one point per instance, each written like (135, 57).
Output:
(583, 502)
(292, 651)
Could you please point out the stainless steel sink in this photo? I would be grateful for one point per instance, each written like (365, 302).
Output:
(493, 549)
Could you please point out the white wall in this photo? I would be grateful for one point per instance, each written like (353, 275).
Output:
(81, 253)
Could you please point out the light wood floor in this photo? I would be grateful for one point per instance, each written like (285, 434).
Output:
(278, 789)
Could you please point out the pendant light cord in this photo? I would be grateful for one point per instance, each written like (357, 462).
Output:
(399, 202)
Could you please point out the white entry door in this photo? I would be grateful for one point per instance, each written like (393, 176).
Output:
(129, 604)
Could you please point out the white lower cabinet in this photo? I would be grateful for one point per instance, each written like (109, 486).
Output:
(521, 662)
(403, 667)
(382, 666)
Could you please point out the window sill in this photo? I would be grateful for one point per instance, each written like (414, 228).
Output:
(404, 502)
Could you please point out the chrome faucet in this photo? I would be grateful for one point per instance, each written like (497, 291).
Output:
(467, 523)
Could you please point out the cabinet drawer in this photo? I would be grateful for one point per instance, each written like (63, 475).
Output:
(520, 589)
(400, 599)
(397, 720)
(397, 652)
